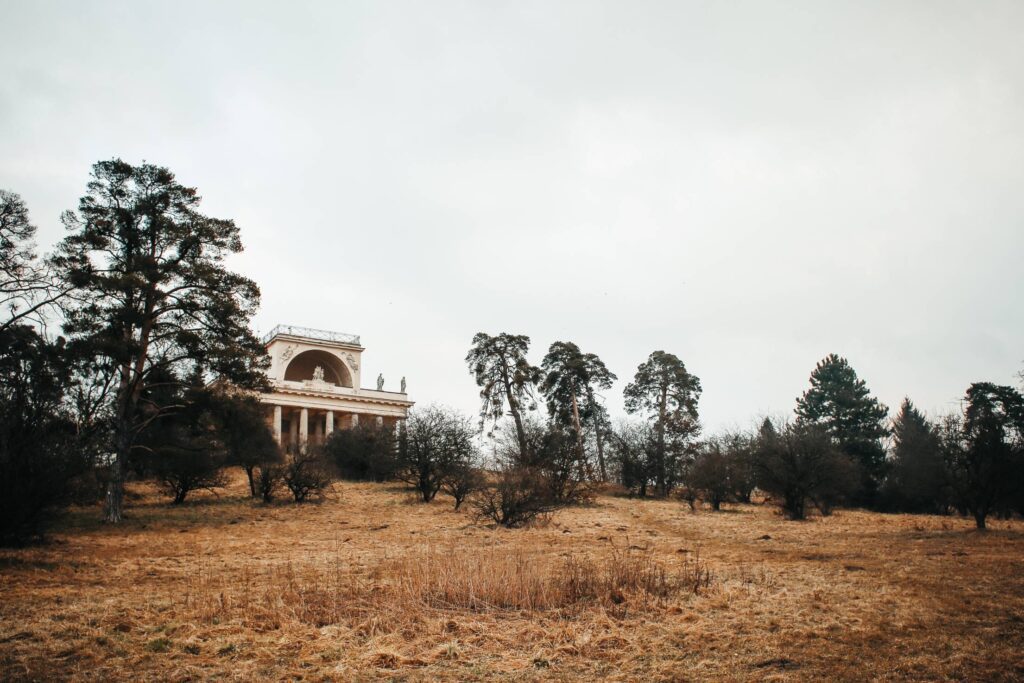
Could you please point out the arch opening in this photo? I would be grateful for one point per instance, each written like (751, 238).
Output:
(304, 365)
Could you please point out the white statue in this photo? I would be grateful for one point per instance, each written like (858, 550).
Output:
(318, 373)
(403, 385)
(380, 381)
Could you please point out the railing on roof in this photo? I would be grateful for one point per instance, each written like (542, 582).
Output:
(309, 332)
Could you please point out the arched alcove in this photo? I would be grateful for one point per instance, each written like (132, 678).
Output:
(303, 365)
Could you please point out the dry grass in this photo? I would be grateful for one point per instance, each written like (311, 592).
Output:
(369, 586)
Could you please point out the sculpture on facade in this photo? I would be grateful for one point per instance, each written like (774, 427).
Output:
(318, 373)
(380, 381)
(403, 385)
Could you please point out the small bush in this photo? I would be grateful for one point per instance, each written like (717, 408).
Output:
(461, 482)
(518, 497)
(305, 474)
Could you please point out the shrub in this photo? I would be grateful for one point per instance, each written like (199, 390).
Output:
(305, 474)
(268, 479)
(432, 443)
(518, 497)
(462, 481)
(364, 453)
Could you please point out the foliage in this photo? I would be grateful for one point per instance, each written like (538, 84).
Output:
(151, 294)
(40, 454)
(663, 388)
(984, 450)
(634, 447)
(432, 443)
(504, 376)
(840, 403)
(366, 452)
(798, 463)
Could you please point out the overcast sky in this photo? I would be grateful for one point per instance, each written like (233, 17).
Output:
(747, 185)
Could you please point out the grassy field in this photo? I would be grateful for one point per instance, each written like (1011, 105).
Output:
(371, 585)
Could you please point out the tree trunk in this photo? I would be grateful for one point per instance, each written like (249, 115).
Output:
(979, 520)
(600, 450)
(513, 407)
(252, 482)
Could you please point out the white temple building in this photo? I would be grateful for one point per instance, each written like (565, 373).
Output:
(315, 386)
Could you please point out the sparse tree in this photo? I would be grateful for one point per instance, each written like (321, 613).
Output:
(269, 478)
(800, 463)
(432, 444)
(505, 377)
(151, 293)
(665, 390)
(710, 475)
(840, 403)
(634, 445)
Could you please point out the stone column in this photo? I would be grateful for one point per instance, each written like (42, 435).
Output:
(303, 428)
(329, 423)
(293, 431)
(380, 421)
(355, 419)
(277, 425)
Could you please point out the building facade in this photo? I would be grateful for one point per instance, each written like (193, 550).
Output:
(315, 387)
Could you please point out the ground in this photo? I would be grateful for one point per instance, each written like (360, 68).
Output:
(370, 584)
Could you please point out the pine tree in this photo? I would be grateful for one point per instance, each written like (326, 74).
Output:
(664, 388)
(153, 296)
(504, 376)
(916, 478)
(840, 403)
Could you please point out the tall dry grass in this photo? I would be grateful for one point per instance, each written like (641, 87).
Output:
(510, 579)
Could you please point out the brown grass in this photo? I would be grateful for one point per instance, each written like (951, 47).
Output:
(367, 586)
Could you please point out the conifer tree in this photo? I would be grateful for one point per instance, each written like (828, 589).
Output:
(840, 403)
(152, 295)
(663, 388)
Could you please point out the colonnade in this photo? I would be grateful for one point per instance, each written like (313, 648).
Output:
(300, 420)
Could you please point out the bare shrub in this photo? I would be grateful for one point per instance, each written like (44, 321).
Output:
(461, 482)
(267, 481)
(306, 474)
(517, 497)
(432, 443)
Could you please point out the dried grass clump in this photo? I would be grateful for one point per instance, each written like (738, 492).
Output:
(518, 580)
(503, 579)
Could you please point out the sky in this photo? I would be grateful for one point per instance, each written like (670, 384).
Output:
(747, 185)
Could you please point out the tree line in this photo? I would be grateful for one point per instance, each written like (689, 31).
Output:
(128, 352)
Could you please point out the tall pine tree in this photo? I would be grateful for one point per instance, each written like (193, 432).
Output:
(840, 403)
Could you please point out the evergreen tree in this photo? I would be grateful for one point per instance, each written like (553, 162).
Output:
(664, 389)
(984, 450)
(916, 479)
(504, 376)
(570, 382)
(840, 403)
(152, 294)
